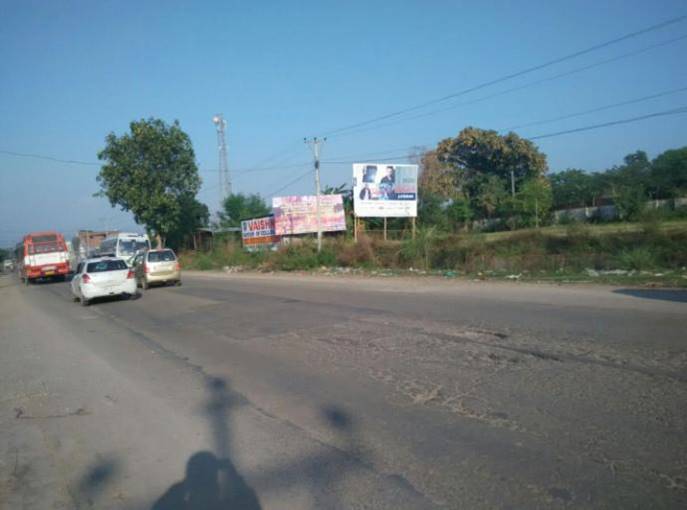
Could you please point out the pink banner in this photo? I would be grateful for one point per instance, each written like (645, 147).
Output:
(298, 214)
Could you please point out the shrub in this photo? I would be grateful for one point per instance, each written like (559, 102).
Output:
(638, 258)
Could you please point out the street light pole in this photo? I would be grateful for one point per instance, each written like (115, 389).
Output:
(315, 144)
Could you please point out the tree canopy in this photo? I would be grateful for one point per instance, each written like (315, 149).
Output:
(150, 171)
(237, 207)
(478, 153)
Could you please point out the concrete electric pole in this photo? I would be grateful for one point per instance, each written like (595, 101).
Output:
(315, 144)
(224, 178)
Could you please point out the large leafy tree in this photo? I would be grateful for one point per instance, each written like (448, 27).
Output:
(574, 188)
(475, 152)
(669, 173)
(150, 171)
(193, 215)
(237, 207)
(478, 156)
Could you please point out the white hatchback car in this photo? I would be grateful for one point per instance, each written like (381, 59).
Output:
(102, 277)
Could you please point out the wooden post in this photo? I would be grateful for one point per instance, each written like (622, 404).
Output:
(385, 228)
(413, 223)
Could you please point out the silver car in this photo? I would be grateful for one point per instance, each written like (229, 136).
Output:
(157, 266)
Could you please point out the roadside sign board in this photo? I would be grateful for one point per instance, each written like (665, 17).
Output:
(384, 190)
(298, 214)
(258, 234)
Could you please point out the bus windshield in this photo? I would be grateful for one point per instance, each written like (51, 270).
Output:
(44, 248)
(131, 247)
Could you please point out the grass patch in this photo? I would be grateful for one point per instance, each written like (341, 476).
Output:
(576, 252)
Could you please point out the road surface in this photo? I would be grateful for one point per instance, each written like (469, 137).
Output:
(297, 392)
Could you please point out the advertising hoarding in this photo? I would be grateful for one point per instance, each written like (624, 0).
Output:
(258, 233)
(298, 214)
(384, 190)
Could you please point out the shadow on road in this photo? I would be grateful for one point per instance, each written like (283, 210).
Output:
(212, 481)
(679, 296)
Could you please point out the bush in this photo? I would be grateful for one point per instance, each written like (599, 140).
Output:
(638, 258)
(418, 252)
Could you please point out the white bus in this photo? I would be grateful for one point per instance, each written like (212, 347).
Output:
(124, 245)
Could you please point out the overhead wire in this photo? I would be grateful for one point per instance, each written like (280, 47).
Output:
(510, 76)
(519, 87)
(597, 109)
(673, 111)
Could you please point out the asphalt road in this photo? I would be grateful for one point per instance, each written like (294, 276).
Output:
(292, 392)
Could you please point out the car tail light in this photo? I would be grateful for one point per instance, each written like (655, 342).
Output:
(130, 274)
(178, 266)
(146, 269)
(86, 279)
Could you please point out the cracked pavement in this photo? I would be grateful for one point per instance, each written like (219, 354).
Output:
(293, 391)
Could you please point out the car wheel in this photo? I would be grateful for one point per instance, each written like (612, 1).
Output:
(75, 299)
(178, 283)
(85, 302)
(144, 284)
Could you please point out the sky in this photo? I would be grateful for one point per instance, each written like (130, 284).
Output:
(72, 72)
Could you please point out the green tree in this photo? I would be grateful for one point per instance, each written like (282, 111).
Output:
(534, 201)
(669, 173)
(237, 207)
(193, 215)
(491, 195)
(630, 201)
(431, 211)
(574, 188)
(477, 154)
(148, 171)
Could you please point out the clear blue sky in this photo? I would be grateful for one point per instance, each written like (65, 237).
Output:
(70, 72)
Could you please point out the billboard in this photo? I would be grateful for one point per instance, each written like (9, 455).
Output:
(298, 214)
(258, 233)
(384, 190)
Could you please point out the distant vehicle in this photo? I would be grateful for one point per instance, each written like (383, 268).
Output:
(42, 255)
(102, 277)
(8, 265)
(87, 242)
(124, 245)
(157, 266)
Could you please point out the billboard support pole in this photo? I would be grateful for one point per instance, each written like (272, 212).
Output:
(385, 228)
(355, 228)
(413, 223)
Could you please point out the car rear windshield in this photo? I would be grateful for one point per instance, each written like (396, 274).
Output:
(161, 256)
(106, 265)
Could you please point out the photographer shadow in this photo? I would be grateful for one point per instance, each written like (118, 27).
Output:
(211, 481)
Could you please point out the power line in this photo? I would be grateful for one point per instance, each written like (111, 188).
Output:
(49, 158)
(522, 72)
(519, 87)
(598, 109)
(388, 158)
(674, 111)
(92, 163)
(290, 183)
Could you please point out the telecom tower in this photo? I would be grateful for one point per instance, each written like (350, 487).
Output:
(224, 179)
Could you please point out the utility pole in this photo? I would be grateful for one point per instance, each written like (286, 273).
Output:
(315, 144)
(224, 178)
